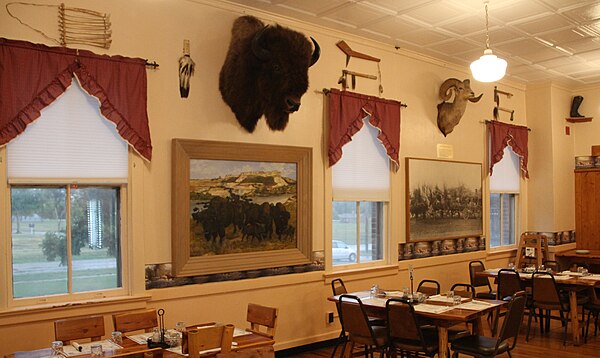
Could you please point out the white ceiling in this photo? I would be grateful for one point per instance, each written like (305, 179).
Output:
(541, 39)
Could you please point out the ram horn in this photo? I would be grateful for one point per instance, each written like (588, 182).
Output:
(257, 48)
(316, 53)
(445, 87)
(475, 99)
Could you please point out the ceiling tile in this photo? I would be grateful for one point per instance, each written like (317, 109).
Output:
(436, 12)
(423, 37)
(393, 26)
(355, 15)
(516, 11)
(453, 47)
(543, 24)
(527, 33)
(312, 6)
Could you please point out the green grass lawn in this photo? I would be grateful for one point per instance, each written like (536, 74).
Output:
(27, 249)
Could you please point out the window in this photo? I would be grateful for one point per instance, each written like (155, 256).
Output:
(360, 182)
(504, 200)
(67, 176)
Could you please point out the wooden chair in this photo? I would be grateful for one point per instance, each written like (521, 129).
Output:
(135, 321)
(262, 316)
(69, 329)
(145, 353)
(481, 346)
(258, 352)
(208, 338)
(528, 242)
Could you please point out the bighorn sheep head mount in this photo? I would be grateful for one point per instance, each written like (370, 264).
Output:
(450, 113)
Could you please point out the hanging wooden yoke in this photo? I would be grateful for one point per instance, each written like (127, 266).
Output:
(342, 45)
(75, 25)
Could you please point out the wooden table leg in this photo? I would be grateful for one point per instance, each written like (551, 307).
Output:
(574, 317)
(443, 341)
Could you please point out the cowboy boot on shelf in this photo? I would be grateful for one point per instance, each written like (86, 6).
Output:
(575, 106)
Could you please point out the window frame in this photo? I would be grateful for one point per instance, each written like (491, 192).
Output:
(12, 302)
(516, 218)
(384, 239)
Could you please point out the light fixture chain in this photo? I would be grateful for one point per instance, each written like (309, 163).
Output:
(487, 30)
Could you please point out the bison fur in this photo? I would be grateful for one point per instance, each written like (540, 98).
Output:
(265, 72)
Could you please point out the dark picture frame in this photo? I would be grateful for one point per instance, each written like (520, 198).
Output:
(210, 186)
(443, 199)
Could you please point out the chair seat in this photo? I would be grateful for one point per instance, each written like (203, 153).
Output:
(379, 333)
(478, 345)
(430, 337)
(486, 295)
(376, 321)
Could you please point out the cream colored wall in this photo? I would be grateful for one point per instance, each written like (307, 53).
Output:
(540, 186)
(155, 30)
(586, 134)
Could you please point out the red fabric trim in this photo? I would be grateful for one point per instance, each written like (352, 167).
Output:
(503, 134)
(346, 113)
(34, 75)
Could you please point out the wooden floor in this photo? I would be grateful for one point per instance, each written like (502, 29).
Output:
(547, 346)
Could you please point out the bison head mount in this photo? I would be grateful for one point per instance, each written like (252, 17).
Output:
(450, 113)
(265, 72)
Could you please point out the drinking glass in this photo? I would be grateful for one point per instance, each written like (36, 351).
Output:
(450, 296)
(117, 337)
(457, 300)
(57, 348)
(405, 292)
(96, 350)
(511, 265)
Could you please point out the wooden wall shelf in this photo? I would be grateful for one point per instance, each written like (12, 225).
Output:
(579, 119)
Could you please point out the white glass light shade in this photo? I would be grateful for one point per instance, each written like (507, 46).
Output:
(489, 68)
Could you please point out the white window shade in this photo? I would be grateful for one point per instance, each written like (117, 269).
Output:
(506, 174)
(363, 172)
(71, 139)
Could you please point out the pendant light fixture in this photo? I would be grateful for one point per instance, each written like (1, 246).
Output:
(489, 67)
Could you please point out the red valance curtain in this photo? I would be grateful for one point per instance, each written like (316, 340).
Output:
(33, 75)
(346, 113)
(503, 134)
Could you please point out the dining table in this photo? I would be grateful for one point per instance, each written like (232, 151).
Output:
(572, 282)
(243, 339)
(437, 310)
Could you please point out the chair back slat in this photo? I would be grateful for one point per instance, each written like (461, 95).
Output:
(209, 337)
(544, 289)
(478, 281)
(513, 319)
(509, 283)
(429, 287)
(338, 287)
(353, 316)
(262, 316)
(402, 323)
(463, 289)
(68, 329)
(135, 321)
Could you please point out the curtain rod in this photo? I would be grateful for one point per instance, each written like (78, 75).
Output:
(72, 52)
(326, 91)
(487, 121)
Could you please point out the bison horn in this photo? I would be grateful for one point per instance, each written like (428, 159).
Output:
(316, 53)
(259, 51)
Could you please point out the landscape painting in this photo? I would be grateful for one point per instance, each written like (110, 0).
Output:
(444, 199)
(239, 206)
